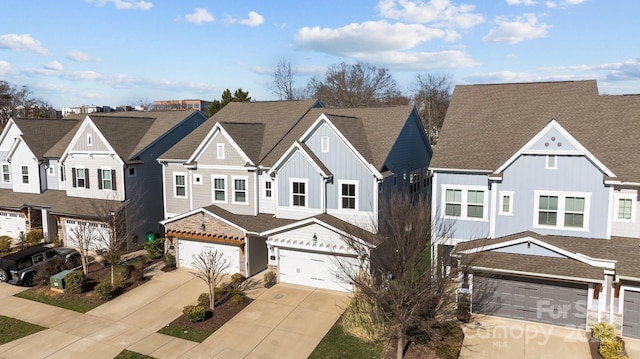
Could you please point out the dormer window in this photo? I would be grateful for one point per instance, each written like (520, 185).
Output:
(89, 139)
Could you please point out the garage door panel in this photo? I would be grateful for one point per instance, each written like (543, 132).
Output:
(631, 315)
(532, 299)
(312, 269)
(189, 250)
(11, 224)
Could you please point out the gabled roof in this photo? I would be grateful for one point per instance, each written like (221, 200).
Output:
(308, 154)
(43, 134)
(276, 117)
(486, 124)
(129, 133)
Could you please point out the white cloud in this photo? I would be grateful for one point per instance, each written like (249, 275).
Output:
(79, 56)
(5, 68)
(367, 37)
(54, 66)
(421, 61)
(438, 12)
(564, 3)
(22, 42)
(552, 4)
(521, 2)
(125, 4)
(199, 16)
(254, 19)
(523, 28)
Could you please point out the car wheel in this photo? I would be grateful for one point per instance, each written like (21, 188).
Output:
(4, 275)
(28, 280)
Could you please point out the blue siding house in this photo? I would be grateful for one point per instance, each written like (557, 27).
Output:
(540, 184)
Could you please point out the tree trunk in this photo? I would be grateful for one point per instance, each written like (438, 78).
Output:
(112, 275)
(212, 296)
(400, 349)
(85, 265)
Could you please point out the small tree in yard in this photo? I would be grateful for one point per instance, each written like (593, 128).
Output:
(211, 266)
(396, 276)
(84, 236)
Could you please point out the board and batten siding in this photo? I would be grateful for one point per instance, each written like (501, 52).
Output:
(297, 167)
(82, 144)
(24, 157)
(209, 155)
(573, 174)
(631, 227)
(410, 152)
(266, 204)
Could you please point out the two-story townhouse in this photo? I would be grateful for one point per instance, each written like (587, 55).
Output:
(539, 183)
(313, 175)
(111, 160)
(26, 173)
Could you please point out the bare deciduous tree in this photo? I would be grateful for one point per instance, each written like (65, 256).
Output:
(353, 85)
(282, 85)
(211, 266)
(397, 276)
(83, 237)
(432, 94)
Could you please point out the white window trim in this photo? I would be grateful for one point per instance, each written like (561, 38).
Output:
(561, 209)
(22, 175)
(555, 162)
(324, 143)
(213, 188)
(357, 184)
(102, 179)
(503, 194)
(197, 179)
(464, 203)
(634, 204)
(306, 193)
(264, 188)
(246, 189)
(2, 171)
(186, 193)
(89, 139)
(220, 154)
(84, 177)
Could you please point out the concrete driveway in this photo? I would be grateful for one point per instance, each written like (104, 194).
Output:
(494, 337)
(283, 321)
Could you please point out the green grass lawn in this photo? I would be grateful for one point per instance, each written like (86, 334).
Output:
(127, 354)
(188, 333)
(78, 303)
(12, 329)
(338, 344)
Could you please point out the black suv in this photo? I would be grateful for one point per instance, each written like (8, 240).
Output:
(21, 267)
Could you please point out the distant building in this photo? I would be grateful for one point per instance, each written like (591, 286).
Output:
(66, 111)
(173, 105)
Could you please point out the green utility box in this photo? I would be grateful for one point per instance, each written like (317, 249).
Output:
(151, 236)
(57, 280)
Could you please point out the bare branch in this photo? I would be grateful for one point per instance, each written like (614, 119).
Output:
(211, 266)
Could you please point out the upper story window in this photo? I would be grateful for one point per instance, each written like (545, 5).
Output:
(131, 171)
(220, 151)
(6, 173)
(506, 203)
(552, 162)
(268, 189)
(180, 185)
(51, 171)
(239, 190)
(80, 177)
(298, 193)
(625, 210)
(89, 139)
(348, 195)
(562, 210)
(414, 182)
(107, 179)
(325, 143)
(25, 174)
(219, 189)
(466, 202)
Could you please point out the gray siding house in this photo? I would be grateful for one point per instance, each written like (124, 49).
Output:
(307, 173)
(540, 185)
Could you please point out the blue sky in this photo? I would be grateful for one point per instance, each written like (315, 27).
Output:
(115, 52)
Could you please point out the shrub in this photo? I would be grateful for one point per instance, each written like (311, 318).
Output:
(270, 278)
(610, 349)
(448, 350)
(203, 300)
(464, 309)
(237, 295)
(194, 313)
(75, 282)
(217, 291)
(104, 289)
(57, 242)
(5, 244)
(155, 248)
(46, 270)
(34, 237)
(126, 271)
(237, 279)
(603, 331)
(137, 274)
(169, 260)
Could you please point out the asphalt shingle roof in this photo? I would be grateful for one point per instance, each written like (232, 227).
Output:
(58, 203)
(486, 124)
(43, 134)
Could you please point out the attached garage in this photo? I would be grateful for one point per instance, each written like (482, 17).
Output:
(11, 224)
(313, 269)
(188, 250)
(533, 299)
(97, 233)
(631, 315)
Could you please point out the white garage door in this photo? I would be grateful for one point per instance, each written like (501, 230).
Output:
(313, 270)
(96, 233)
(188, 250)
(11, 224)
